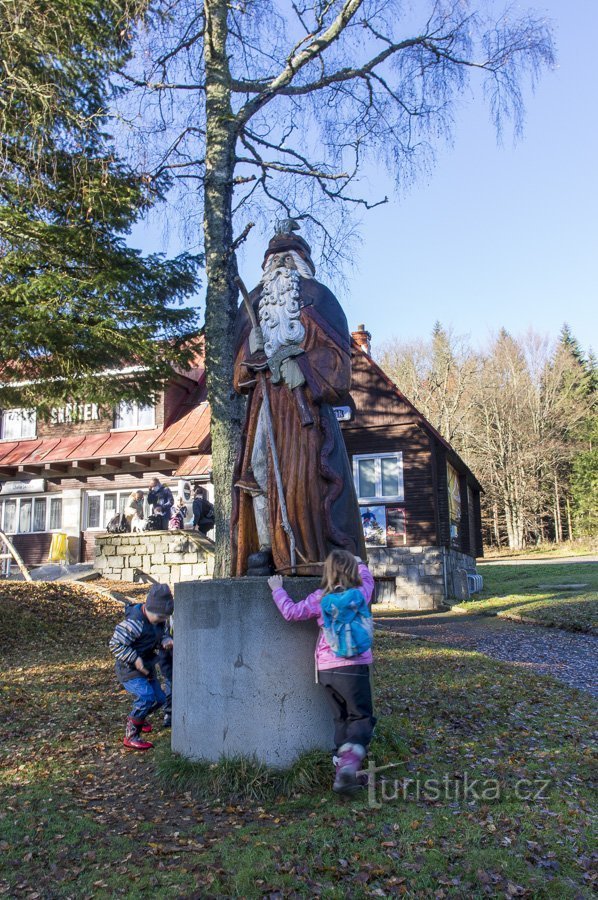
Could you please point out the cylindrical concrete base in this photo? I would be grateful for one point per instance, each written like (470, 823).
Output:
(244, 679)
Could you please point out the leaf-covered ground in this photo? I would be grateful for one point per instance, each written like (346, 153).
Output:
(82, 817)
(523, 592)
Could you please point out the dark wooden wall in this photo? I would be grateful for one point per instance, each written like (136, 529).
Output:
(384, 421)
(33, 548)
(413, 443)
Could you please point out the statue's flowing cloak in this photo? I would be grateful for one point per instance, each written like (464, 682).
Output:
(318, 483)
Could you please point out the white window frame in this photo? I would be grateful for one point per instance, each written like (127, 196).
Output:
(33, 497)
(25, 415)
(379, 496)
(134, 406)
(120, 493)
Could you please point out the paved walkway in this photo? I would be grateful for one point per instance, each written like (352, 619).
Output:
(571, 658)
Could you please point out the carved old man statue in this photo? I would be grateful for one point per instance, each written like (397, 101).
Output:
(295, 345)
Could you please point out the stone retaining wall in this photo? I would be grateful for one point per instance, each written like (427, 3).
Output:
(169, 556)
(419, 577)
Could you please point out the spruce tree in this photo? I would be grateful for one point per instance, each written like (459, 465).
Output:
(75, 300)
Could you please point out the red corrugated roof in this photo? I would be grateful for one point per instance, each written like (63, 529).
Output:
(14, 450)
(44, 447)
(189, 430)
(196, 464)
(142, 441)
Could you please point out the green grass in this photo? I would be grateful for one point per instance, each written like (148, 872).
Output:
(81, 817)
(513, 591)
(579, 547)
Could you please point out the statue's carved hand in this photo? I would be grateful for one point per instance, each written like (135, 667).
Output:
(292, 374)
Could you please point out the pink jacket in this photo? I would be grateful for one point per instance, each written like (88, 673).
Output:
(311, 608)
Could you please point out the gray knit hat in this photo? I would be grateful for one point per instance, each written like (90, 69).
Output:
(159, 600)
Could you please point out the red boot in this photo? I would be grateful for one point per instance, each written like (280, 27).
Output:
(147, 727)
(133, 739)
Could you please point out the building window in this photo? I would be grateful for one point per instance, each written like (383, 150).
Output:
(17, 424)
(379, 477)
(24, 515)
(101, 507)
(454, 499)
(94, 511)
(55, 513)
(134, 415)
(39, 514)
(9, 522)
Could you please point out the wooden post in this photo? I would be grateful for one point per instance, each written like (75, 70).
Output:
(12, 552)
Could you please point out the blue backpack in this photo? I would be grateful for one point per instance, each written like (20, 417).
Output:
(348, 625)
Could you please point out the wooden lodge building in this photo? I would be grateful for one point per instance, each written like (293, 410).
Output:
(420, 504)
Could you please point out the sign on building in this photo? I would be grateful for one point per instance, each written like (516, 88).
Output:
(35, 486)
(342, 413)
(73, 413)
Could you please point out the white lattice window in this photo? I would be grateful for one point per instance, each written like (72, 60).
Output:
(379, 477)
(17, 424)
(134, 415)
(102, 506)
(24, 515)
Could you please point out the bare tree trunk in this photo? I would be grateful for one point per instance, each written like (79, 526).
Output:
(558, 525)
(221, 299)
(509, 520)
(495, 523)
(569, 524)
(514, 521)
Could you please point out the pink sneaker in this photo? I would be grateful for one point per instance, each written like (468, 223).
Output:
(348, 764)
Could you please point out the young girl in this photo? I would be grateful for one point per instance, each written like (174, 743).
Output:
(345, 680)
(177, 515)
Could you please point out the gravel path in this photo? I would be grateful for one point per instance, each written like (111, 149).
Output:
(571, 658)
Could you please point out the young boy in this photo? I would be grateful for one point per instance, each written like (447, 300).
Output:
(134, 644)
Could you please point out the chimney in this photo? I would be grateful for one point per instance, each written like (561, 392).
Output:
(362, 338)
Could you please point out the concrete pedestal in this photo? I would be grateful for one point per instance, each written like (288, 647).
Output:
(244, 679)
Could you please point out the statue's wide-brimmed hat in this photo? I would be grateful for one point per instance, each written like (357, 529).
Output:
(283, 242)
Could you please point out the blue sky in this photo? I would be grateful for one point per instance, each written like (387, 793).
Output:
(495, 235)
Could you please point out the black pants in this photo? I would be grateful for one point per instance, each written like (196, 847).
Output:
(349, 695)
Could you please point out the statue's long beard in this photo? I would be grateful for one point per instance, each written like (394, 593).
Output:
(279, 310)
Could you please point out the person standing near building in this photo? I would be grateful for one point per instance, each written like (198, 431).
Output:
(178, 515)
(203, 512)
(134, 507)
(160, 495)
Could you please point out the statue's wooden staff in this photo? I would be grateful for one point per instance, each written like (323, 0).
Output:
(270, 432)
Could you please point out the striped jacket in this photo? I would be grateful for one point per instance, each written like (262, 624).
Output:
(137, 637)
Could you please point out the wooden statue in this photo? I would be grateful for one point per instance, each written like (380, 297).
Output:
(294, 499)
